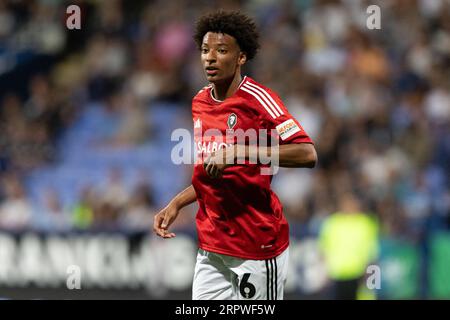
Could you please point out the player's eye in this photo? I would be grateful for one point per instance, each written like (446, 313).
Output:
(204, 50)
(222, 51)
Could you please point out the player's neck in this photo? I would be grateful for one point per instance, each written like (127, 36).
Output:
(225, 90)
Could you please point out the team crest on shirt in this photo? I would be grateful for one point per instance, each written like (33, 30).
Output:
(232, 120)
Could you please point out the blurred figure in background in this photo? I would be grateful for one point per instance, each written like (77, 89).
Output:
(51, 215)
(15, 209)
(83, 210)
(349, 242)
(115, 192)
(138, 213)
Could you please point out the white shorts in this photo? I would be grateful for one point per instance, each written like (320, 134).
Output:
(221, 277)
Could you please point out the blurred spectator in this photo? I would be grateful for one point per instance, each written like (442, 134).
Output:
(134, 128)
(106, 216)
(15, 209)
(83, 211)
(52, 216)
(349, 242)
(138, 214)
(115, 192)
(7, 21)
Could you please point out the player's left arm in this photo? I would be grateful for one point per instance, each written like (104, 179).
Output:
(294, 149)
(296, 155)
(299, 152)
(293, 155)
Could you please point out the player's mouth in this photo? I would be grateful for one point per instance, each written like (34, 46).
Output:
(211, 71)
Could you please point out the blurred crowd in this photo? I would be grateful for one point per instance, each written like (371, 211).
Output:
(375, 102)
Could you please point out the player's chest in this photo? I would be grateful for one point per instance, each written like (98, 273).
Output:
(224, 118)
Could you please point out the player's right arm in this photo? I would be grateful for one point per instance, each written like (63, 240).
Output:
(167, 216)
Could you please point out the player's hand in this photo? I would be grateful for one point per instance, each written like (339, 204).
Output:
(216, 163)
(164, 219)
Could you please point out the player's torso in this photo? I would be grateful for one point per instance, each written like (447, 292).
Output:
(238, 213)
(219, 125)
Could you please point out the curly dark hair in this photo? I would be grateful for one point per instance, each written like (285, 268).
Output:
(233, 23)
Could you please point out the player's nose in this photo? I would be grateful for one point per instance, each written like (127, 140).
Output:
(211, 56)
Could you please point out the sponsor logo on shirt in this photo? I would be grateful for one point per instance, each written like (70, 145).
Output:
(287, 129)
(207, 148)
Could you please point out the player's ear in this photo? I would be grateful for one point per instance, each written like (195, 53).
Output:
(242, 58)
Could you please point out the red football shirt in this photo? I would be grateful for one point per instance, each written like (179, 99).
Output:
(239, 215)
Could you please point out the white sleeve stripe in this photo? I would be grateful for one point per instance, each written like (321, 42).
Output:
(255, 91)
(260, 101)
(267, 95)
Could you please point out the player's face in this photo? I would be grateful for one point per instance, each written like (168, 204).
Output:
(221, 57)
